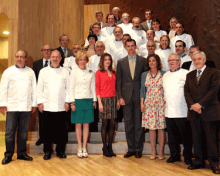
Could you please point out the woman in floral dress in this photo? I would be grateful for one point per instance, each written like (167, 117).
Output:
(152, 103)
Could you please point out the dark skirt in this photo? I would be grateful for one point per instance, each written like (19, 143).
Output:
(109, 108)
(84, 111)
(54, 127)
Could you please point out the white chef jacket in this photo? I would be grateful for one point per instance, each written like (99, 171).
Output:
(173, 85)
(82, 84)
(125, 27)
(113, 46)
(107, 31)
(139, 36)
(185, 58)
(184, 37)
(159, 33)
(100, 38)
(18, 89)
(143, 48)
(164, 54)
(94, 62)
(70, 62)
(121, 53)
(53, 88)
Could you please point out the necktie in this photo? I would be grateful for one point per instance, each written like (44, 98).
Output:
(46, 63)
(199, 76)
(65, 52)
(132, 67)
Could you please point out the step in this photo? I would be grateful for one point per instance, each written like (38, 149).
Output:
(119, 148)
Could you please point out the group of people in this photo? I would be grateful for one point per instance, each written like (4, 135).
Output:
(157, 79)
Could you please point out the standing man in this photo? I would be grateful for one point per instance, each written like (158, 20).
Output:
(180, 35)
(116, 12)
(37, 66)
(125, 25)
(190, 66)
(201, 90)
(99, 18)
(128, 83)
(63, 49)
(53, 102)
(148, 23)
(176, 111)
(180, 47)
(18, 98)
(107, 31)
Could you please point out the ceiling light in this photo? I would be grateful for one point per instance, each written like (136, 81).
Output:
(5, 32)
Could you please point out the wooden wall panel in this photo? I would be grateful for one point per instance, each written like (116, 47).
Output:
(89, 15)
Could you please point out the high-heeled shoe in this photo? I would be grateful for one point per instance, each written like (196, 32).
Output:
(85, 153)
(106, 151)
(161, 158)
(79, 154)
(110, 151)
(152, 157)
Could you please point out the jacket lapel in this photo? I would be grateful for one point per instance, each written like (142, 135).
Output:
(127, 67)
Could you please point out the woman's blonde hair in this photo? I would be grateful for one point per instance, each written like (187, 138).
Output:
(79, 54)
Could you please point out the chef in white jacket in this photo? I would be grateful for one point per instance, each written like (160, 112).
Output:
(176, 111)
(53, 100)
(18, 98)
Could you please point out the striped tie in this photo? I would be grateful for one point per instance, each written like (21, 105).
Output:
(132, 67)
(199, 76)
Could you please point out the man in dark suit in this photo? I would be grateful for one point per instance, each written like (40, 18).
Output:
(128, 83)
(116, 12)
(148, 23)
(37, 66)
(64, 51)
(99, 18)
(200, 91)
(190, 66)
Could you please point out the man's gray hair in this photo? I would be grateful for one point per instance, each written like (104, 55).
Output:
(100, 42)
(202, 53)
(175, 55)
(116, 8)
(152, 42)
(125, 14)
(76, 44)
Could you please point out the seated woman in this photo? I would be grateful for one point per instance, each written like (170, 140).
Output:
(83, 100)
(90, 49)
(164, 52)
(107, 100)
(152, 103)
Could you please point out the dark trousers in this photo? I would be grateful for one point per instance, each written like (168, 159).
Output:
(209, 128)
(179, 130)
(54, 131)
(133, 129)
(14, 120)
(41, 134)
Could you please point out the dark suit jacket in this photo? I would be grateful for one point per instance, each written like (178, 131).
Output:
(119, 21)
(144, 26)
(124, 83)
(62, 54)
(37, 66)
(204, 93)
(186, 65)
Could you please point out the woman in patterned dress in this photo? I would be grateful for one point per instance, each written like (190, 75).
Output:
(152, 103)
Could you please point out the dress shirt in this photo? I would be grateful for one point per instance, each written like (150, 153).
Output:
(185, 58)
(113, 46)
(125, 27)
(173, 84)
(94, 62)
(105, 85)
(82, 84)
(134, 60)
(100, 38)
(121, 53)
(202, 70)
(44, 61)
(139, 36)
(53, 88)
(159, 33)
(149, 23)
(18, 89)
(65, 54)
(164, 54)
(70, 62)
(184, 37)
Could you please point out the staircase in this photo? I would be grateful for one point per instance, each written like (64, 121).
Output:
(95, 143)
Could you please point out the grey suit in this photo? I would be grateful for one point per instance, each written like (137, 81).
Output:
(145, 27)
(129, 90)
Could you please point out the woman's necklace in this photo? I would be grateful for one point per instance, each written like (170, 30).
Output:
(154, 75)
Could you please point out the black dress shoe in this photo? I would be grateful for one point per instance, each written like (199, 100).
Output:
(47, 156)
(6, 160)
(106, 151)
(188, 161)
(39, 142)
(129, 154)
(138, 155)
(196, 166)
(25, 157)
(215, 170)
(173, 159)
(111, 151)
(61, 155)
